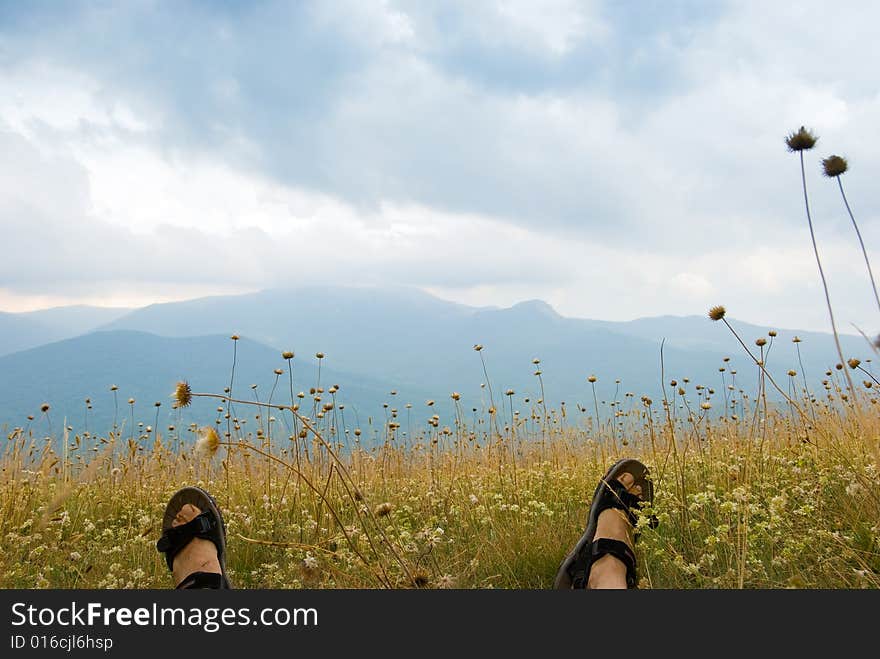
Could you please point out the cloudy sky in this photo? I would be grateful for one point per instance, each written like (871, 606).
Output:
(618, 159)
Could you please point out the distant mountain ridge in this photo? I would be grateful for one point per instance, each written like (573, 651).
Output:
(403, 340)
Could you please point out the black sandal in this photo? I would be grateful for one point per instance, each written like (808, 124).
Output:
(208, 525)
(574, 572)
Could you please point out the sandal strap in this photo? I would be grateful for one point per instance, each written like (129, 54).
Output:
(176, 538)
(204, 580)
(580, 574)
(621, 551)
(615, 495)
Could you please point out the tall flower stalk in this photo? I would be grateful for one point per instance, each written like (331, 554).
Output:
(798, 142)
(833, 167)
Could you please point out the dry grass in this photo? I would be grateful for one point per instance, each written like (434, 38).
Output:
(757, 498)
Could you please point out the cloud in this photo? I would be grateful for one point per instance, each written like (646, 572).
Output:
(613, 159)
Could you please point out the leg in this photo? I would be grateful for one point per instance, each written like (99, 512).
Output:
(609, 572)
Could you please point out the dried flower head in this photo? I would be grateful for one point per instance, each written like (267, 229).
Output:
(478, 347)
(278, 371)
(235, 337)
(287, 354)
(208, 442)
(182, 394)
(771, 333)
(761, 342)
(834, 166)
(591, 379)
(383, 509)
(853, 363)
(44, 408)
(319, 355)
(796, 339)
(801, 140)
(717, 313)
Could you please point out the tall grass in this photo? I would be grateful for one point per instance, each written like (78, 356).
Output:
(485, 503)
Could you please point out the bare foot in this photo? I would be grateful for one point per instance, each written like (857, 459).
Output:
(199, 555)
(609, 571)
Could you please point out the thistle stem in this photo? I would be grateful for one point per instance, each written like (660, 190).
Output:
(861, 242)
(822, 276)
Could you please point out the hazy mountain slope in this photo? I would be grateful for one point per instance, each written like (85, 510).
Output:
(20, 331)
(408, 337)
(146, 367)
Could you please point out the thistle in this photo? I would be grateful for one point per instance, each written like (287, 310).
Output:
(182, 394)
(208, 442)
(717, 313)
(798, 142)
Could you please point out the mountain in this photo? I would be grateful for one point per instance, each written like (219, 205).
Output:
(146, 367)
(20, 331)
(375, 341)
(412, 338)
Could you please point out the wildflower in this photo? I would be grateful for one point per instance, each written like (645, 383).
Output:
(834, 166)
(208, 442)
(801, 140)
(446, 581)
(853, 363)
(182, 394)
(287, 354)
(761, 342)
(717, 313)
(383, 509)
(591, 379)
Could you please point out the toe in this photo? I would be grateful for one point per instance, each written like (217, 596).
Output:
(186, 514)
(629, 482)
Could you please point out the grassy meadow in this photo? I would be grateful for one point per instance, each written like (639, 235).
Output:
(753, 495)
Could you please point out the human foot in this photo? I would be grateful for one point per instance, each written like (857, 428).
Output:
(609, 571)
(607, 540)
(194, 540)
(200, 555)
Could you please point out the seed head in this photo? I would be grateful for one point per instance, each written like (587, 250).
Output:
(383, 509)
(287, 354)
(208, 442)
(792, 373)
(801, 140)
(44, 408)
(235, 337)
(478, 347)
(853, 363)
(319, 355)
(761, 342)
(834, 166)
(591, 379)
(182, 394)
(278, 371)
(717, 313)
(771, 333)
(796, 339)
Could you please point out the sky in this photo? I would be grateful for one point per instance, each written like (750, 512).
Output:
(617, 159)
